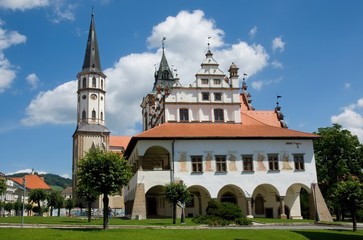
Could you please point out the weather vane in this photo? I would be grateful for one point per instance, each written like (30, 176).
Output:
(163, 42)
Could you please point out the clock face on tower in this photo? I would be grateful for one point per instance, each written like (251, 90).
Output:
(93, 96)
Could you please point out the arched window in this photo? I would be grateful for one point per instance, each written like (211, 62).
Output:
(218, 115)
(102, 84)
(84, 115)
(93, 115)
(94, 82)
(84, 83)
(101, 116)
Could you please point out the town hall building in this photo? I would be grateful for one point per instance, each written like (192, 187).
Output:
(207, 135)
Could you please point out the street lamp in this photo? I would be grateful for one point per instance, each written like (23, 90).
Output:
(22, 212)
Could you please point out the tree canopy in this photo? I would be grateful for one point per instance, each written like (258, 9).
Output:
(2, 186)
(339, 155)
(104, 172)
(37, 195)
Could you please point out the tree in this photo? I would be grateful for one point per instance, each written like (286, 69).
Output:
(338, 154)
(2, 186)
(177, 192)
(69, 204)
(8, 207)
(87, 194)
(351, 192)
(36, 196)
(106, 173)
(55, 200)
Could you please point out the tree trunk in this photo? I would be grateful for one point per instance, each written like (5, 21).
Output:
(354, 220)
(51, 211)
(174, 213)
(89, 211)
(105, 211)
(58, 211)
(40, 209)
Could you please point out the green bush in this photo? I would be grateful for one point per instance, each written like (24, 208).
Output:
(222, 214)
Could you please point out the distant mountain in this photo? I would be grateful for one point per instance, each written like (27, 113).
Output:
(53, 180)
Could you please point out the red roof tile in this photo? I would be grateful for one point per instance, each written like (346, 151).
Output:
(260, 117)
(221, 130)
(119, 141)
(32, 182)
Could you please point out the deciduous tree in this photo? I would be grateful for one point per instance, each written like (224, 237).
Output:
(55, 200)
(338, 154)
(106, 173)
(177, 192)
(36, 196)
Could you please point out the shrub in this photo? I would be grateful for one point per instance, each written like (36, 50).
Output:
(222, 214)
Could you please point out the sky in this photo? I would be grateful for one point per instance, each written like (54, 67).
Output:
(309, 52)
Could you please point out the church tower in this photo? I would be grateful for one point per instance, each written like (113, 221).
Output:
(91, 130)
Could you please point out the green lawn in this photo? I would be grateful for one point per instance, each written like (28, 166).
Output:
(176, 234)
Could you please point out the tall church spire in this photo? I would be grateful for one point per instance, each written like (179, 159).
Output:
(92, 61)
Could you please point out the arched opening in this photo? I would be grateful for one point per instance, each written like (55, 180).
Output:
(259, 205)
(156, 203)
(229, 197)
(84, 115)
(93, 115)
(287, 211)
(233, 194)
(155, 158)
(266, 201)
(94, 82)
(84, 83)
(299, 201)
(199, 201)
(101, 116)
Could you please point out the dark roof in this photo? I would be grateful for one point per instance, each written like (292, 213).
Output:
(92, 61)
(92, 128)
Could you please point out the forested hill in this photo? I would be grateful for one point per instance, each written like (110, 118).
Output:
(52, 180)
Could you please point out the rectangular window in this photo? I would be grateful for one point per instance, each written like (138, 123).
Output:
(216, 81)
(204, 81)
(273, 161)
(221, 163)
(184, 114)
(205, 96)
(197, 165)
(299, 161)
(247, 162)
(218, 115)
(218, 96)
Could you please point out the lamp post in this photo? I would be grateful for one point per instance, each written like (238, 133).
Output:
(22, 212)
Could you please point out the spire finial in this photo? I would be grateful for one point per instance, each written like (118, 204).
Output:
(163, 42)
(209, 37)
(277, 101)
(92, 13)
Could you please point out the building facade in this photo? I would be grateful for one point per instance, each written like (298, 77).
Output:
(209, 136)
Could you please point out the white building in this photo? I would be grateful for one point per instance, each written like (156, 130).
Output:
(209, 136)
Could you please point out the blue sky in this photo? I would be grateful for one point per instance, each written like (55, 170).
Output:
(309, 52)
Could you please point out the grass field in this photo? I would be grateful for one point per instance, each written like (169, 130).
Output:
(149, 232)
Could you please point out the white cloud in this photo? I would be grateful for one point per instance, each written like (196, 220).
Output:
(347, 85)
(257, 85)
(62, 10)
(33, 80)
(23, 4)
(27, 170)
(132, 76)
(252, 33)
(7, 71)
(276, 64)
(57, 106)
(278, 44)
(351, 119)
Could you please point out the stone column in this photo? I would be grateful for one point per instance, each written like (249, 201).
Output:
(282, 208)
(249, 208)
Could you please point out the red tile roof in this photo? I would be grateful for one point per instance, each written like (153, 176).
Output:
(221, 130)
(260, 117)
(119, 141)
(32, 182)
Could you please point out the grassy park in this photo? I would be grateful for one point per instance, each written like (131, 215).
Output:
(76, 228)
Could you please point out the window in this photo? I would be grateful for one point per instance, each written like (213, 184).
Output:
(204, 81)
(197, 165)
(273, 162)
(218, 115)
(101, 83)
(218, 96)
(221, 163)
(101, 116)
(84, 115)
(184, 114)
(216, 81)
(247, 162)
(94, 82)
(299, 161)
(84, 83)
(93, 115)
(205, 96)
